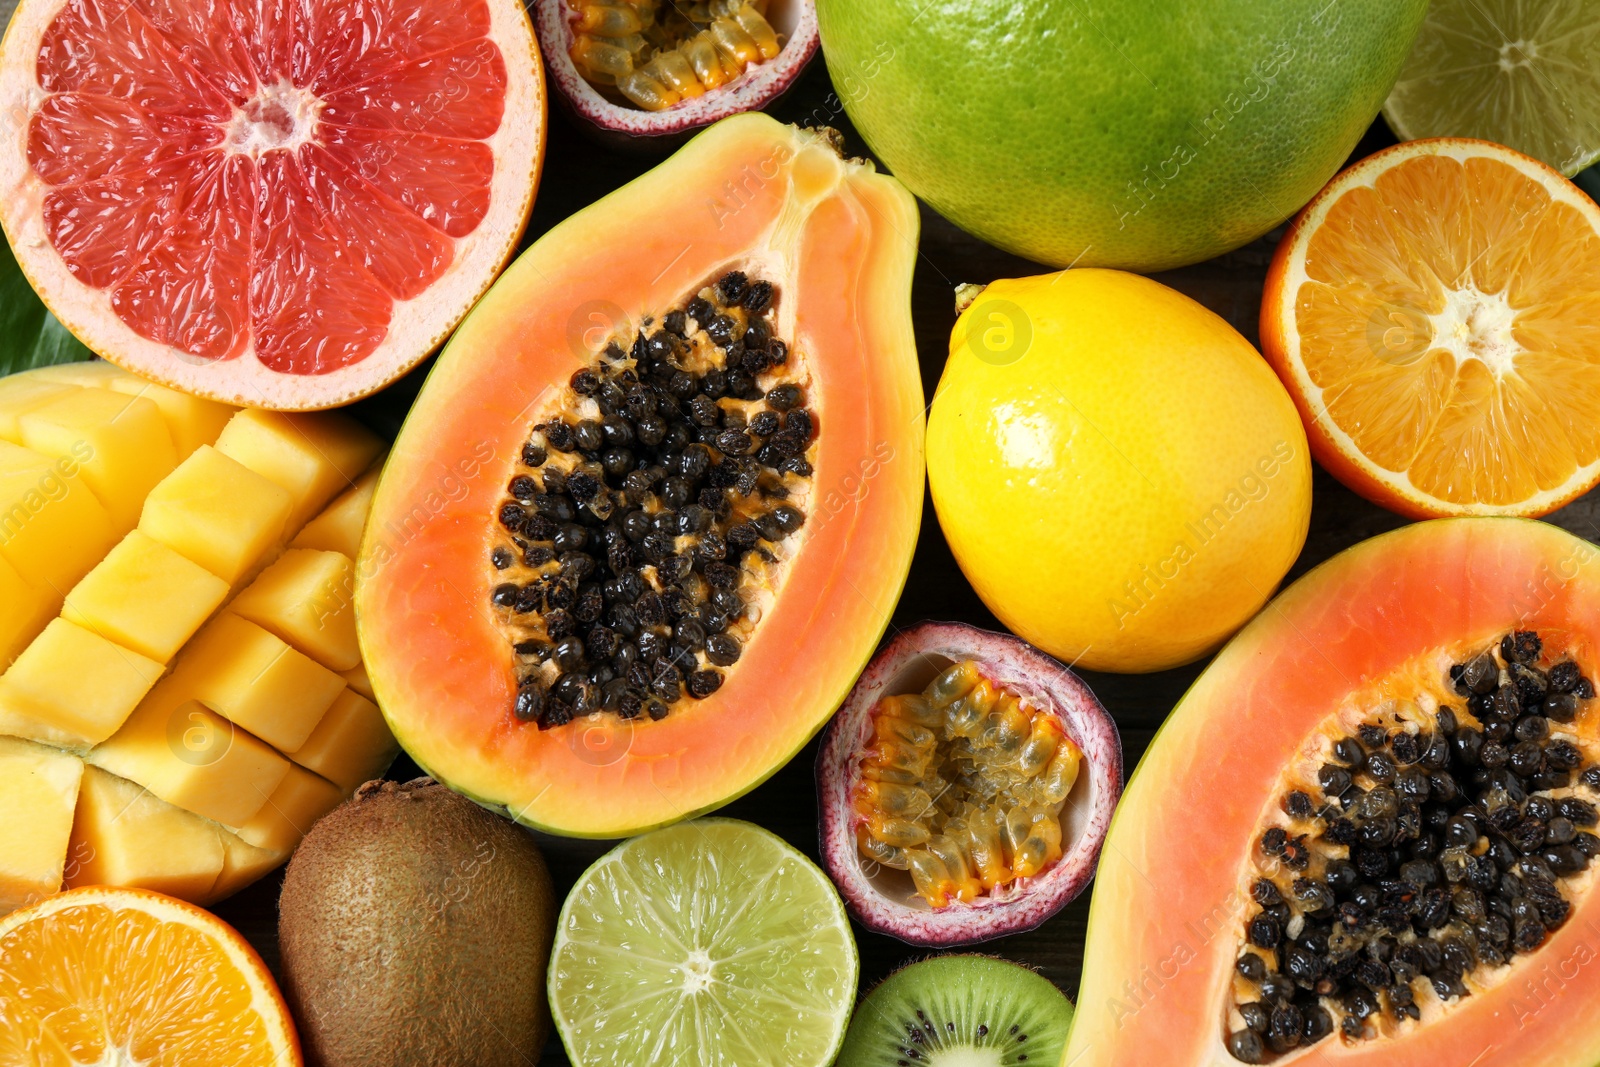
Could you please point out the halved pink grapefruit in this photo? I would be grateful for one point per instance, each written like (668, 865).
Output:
(278, 203)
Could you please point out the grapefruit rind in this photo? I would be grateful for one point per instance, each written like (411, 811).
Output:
(1332, 445)
(416, 327)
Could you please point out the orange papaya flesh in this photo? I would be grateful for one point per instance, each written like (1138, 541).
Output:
(837, 243)
(1375, 638)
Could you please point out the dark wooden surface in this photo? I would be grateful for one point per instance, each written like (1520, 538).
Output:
(576, 173)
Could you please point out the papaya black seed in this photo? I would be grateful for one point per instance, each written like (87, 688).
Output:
(1264, 932)
(1522, 646)
(1349, 752)
(758, 297)
(654, 466)
(1412, 823)
(1246, 1046)
(1563, 755)
(764, 424)
(529, 705)
(703, 683)
(722, 650)
(1335, 781)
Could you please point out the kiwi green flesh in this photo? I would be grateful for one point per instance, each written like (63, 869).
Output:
(959, 1011)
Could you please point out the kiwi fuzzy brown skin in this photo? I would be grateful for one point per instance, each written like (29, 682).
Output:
(415, 929)
(919, 994)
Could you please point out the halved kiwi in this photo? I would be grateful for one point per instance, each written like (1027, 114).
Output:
(956, 1011)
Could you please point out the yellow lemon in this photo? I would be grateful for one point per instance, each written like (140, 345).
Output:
(1118, 472)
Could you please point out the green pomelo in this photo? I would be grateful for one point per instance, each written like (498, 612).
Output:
(1117, 133)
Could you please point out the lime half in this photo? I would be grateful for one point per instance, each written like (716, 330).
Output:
(712, 943)
(1524, 73)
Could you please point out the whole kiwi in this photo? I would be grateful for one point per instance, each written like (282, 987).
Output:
(415, 930)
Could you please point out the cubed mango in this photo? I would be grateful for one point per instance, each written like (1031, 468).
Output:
(339, 527)
(20, 394)
(24, 611)
(38, 790)
(307, 598)
(191, 420)
(352, 744)
(188, 755)
(242, 863)
(52, 528)
(356, 678)
(146, 597)
(300, 800)
(124, 835)
(90, 374)
(72, 687)
(314, 457)
(252, 677)
(217, 513)
(129, 448)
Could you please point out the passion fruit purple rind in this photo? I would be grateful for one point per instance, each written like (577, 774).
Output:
(993, 767)
(624, 125)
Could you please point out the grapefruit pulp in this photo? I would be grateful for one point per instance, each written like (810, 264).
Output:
(276, 205)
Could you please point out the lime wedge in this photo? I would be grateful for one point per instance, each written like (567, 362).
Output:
(1524, 73)
(712, 943)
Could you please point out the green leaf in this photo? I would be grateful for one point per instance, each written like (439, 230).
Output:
(29, 335)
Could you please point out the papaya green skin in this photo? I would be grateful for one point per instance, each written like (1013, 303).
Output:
(1115, 133)
(1164, 923)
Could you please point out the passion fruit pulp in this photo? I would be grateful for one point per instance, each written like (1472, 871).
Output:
(644, 73)
(966, 786)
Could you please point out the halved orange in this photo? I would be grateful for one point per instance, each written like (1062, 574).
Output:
(1435, 314)
(126, 976)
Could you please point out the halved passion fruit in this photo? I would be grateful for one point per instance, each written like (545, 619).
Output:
(1368, 832)
(651, 71)
(654, 508)
(965, 787)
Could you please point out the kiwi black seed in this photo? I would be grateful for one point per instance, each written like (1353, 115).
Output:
(1425, 852)
(647, 509)
(959, 1009)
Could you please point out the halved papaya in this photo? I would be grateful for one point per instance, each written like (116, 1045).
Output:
(1365, 835)
(656, 502)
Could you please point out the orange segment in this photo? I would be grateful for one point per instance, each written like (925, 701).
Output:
(1435, 313)
(127, 976)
